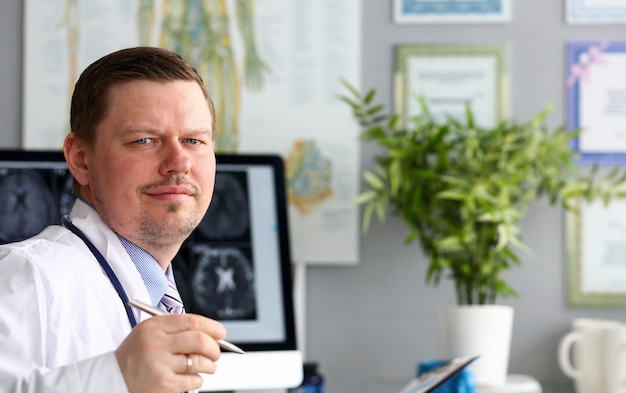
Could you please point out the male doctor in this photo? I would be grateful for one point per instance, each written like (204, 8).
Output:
(141, 153)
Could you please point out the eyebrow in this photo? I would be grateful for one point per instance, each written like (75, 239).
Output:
(151, 131)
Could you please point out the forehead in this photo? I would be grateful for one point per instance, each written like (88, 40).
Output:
(149, 88)
(142, 95)
(179, 103)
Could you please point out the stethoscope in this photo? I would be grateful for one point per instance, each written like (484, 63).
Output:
(106, 267)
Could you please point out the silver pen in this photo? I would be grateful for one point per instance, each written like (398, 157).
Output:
(157, 311)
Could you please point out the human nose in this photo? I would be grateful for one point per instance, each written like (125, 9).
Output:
(175, 159)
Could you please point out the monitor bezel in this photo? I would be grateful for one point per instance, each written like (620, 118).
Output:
(31, 155)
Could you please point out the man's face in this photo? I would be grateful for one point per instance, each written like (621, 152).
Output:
(151, 172)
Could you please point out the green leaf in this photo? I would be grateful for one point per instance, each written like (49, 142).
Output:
(373, 180)
(450, 243)
(375, 109)
(351, 89)
(452, 194)
(366, 196)
(367, 217)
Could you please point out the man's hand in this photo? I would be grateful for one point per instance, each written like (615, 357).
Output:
(153, 358)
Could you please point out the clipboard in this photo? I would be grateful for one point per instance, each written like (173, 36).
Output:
(430, 380)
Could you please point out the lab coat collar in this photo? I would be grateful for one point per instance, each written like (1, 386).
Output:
(107, 242)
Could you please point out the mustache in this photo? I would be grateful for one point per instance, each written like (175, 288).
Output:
(175, 180)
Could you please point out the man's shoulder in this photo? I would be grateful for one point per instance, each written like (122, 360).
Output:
(53, 243)
(52, 258)
(50, 235)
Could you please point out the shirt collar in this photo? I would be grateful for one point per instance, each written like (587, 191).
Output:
(149, 269)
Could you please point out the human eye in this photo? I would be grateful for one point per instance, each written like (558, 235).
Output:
(193, 141)
(143, 141)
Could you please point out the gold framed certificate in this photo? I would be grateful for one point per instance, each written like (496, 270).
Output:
(596, 254)
(448, 76)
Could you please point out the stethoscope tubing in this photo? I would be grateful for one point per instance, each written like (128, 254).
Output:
(106, 267)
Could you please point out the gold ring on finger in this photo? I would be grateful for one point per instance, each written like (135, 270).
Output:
(189, 364)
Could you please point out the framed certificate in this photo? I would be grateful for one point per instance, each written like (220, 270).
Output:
(597, 100)
(447, 77)
(452, 11)
(595, 12)
(596, 253)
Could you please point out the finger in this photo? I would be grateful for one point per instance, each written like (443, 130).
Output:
(195, 364)
(188, 365)
(175, 323)
(194, 342)
(188, 382)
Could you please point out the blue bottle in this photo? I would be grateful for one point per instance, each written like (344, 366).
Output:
(312, 381)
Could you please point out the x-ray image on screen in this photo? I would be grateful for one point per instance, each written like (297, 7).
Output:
(31, 198)
(223, 284)
(227, 217)
(216, 264)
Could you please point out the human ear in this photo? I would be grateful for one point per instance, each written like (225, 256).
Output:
(75, 157)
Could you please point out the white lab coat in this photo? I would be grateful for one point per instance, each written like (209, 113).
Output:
(60, 317)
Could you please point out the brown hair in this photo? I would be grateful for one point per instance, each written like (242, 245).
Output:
(90, 98)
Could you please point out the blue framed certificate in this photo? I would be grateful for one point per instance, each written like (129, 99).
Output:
(452, 11)
(595, 12)
(597, 100)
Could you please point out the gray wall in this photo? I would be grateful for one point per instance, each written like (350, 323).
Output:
(369, 324)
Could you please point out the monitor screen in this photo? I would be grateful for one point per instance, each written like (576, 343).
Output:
(235, 267)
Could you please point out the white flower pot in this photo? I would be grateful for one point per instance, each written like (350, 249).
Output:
(478, 330)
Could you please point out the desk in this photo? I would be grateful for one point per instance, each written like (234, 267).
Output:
(514, 384)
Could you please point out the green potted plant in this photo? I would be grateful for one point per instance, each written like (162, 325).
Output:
(462, 189)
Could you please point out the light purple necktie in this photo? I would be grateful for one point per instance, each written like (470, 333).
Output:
(171, 300)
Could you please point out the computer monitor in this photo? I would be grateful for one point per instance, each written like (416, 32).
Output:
(235, 267)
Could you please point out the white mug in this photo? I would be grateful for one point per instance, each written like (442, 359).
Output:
(581, 354)
(615, 359)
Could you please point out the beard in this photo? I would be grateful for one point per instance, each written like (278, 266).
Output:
(164, 231)
(150, 229)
